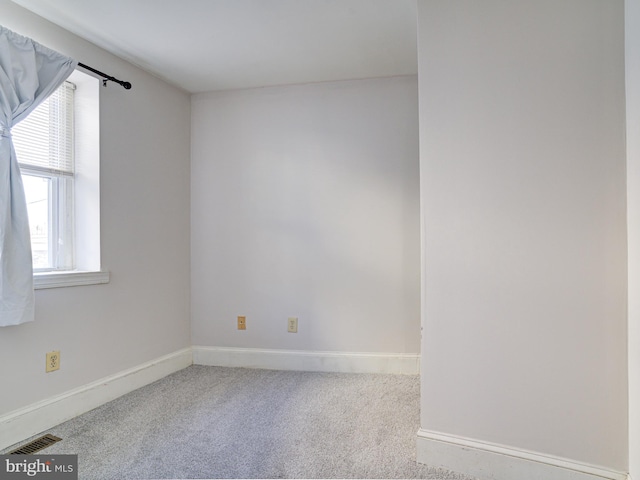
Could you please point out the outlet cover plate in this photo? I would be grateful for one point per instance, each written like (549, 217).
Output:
(293, 325)
(53, 361)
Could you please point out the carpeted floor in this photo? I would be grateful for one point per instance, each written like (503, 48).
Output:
(211, 422)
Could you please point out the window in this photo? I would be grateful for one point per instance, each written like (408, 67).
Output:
(44, 145)
(57, 147)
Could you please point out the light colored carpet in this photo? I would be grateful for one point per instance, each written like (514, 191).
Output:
(212, 422)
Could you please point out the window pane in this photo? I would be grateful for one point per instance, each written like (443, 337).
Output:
(38, 193)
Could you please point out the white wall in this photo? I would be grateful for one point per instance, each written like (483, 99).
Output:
(632, 62)
(305, 203)
(522, 124)
(144, 312)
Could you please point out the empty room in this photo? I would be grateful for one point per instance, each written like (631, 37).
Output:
(320, 239)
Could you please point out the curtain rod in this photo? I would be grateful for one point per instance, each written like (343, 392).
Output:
(106, 77)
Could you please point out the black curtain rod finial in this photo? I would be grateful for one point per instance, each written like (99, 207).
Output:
(106, 78)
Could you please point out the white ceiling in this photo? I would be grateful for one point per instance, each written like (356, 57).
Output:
(204, 45)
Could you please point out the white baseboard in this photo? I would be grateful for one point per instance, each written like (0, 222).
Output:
(488, 461)
(26, 422)
(408, 364)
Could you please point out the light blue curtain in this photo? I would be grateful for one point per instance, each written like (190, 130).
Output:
(29, 73)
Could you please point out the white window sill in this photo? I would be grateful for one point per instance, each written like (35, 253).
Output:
(68, 279)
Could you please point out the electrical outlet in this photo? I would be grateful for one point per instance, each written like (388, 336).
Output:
(242, 322)
(293, 325)
(53, 361)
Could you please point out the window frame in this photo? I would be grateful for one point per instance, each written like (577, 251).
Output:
(86, 268)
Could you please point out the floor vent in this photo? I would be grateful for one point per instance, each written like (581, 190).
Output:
(37, 445)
